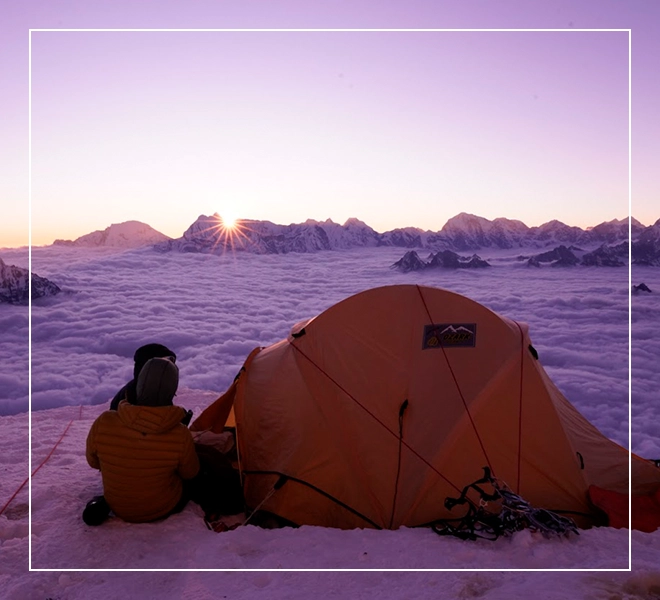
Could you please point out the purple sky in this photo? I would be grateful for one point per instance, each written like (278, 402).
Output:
(397, 129)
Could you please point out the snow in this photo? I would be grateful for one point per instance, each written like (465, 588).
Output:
(130, 234)
(212, 310)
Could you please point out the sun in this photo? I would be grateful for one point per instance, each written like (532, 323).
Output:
(229, 232)
(228, 220)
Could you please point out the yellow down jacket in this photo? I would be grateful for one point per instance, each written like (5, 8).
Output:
(144, 453)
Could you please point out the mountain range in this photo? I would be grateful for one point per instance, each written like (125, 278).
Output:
(605, 244)
(462, 233)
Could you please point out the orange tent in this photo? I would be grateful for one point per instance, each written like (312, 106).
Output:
(394, 399)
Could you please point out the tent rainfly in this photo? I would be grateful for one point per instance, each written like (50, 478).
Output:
(374, 412)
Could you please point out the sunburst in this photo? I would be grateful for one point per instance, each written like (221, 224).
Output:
(229, 221)
(227, 231)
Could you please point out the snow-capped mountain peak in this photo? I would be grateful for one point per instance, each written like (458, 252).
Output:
(130, 234)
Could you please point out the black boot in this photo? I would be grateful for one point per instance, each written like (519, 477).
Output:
(96, 511)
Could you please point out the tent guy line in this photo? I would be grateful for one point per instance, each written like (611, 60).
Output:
(426, 462)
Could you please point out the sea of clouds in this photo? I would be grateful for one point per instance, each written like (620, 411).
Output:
(212, 310)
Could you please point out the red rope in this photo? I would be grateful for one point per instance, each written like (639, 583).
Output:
(373, 416)
(458, 387)
(520, 396)
(43, 462)
(20, 487)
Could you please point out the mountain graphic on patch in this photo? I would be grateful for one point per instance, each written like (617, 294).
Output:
(449, 335)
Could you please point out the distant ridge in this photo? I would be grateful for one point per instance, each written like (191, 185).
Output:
(130, 234)
(445, 259)
(464, 232)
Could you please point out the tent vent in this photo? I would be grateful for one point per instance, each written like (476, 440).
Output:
(533, 352)
(299, 333)
(581, 460)
(401, 411)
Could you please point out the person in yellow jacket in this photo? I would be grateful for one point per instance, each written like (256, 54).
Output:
(143, 451)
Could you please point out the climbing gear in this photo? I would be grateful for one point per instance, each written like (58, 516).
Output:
(514, 514)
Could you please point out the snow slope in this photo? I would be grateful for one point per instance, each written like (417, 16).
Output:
(63, 548)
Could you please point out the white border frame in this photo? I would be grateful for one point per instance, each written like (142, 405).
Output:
(336, 30)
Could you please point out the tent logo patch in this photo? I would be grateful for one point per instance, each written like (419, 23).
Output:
(450, 335)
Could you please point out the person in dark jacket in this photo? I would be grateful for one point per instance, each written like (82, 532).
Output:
(141, 356)
(144, 452)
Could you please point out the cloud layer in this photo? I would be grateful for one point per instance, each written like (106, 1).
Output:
(212, 310)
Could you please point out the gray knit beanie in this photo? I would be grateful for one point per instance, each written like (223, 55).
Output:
(157, 382)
